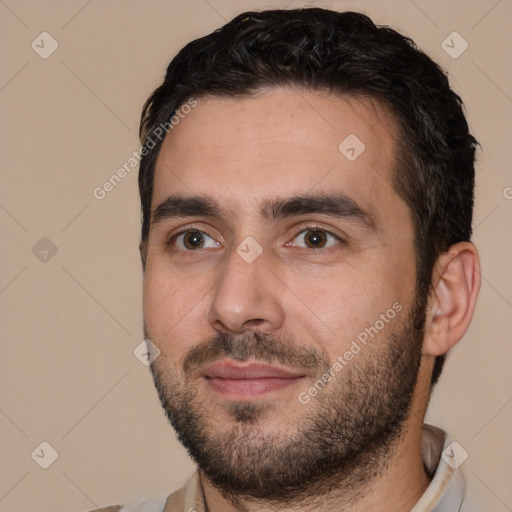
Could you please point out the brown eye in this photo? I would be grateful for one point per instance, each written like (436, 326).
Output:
(316, 238)
(193, 240)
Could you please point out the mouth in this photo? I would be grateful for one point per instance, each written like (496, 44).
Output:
(245, 381)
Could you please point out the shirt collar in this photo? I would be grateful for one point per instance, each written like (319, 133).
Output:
(445, 492)
(446, 489)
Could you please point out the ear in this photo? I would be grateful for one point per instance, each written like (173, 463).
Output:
(455, 286)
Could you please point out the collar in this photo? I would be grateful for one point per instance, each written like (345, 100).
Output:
(445, 492)
(442, 460)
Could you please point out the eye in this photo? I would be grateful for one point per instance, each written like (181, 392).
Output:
(193, 240)
(315, 238)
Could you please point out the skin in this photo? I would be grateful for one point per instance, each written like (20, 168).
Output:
(278, 144)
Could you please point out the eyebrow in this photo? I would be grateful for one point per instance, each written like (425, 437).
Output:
(333, 205)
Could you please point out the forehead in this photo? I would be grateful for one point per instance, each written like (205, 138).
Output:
(279, 143)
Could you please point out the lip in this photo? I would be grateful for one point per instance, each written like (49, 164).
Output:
(229, 369)
(248, 380)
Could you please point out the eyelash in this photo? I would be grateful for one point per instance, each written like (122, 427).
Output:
(314, 227)
(304, 229)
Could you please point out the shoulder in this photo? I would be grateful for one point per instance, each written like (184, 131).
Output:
(189, 497)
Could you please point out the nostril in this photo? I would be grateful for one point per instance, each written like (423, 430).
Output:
(253, 323)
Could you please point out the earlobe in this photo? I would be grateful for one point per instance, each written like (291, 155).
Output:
(456, 283)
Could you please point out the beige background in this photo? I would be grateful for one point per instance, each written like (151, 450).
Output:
(70, 324)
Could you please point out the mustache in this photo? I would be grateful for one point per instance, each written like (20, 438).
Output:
(256, 345)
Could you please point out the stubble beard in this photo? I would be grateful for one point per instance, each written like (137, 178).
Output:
(337, 443)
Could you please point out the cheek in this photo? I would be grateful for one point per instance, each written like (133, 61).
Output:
(171, 306)
(334, 308)
(156, 301)
(325, 309)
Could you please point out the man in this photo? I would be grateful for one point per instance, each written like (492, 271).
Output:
(307, 191)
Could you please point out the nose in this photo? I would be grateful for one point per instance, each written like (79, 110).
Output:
(246, 297)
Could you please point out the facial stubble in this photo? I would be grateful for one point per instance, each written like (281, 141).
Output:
(341, 439)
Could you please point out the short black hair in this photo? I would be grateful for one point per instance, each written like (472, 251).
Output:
(343, 53)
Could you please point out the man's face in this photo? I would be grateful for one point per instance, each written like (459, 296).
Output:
(300, 256)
